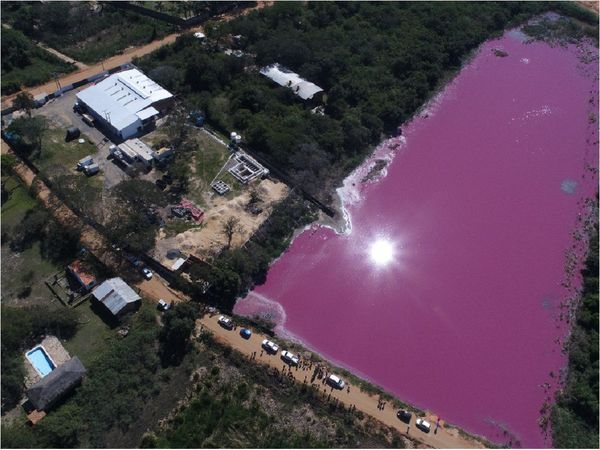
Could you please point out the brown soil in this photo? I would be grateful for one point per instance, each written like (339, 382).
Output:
(367, 403)
(209, 239)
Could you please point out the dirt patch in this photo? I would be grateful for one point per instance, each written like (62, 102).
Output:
(209, 239)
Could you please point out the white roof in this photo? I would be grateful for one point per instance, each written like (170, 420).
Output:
(146, 113)
(119, 97)
(135, 147)
(115, 294)
(177, 264)
(285, 77)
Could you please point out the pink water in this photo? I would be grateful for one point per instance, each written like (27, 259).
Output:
(479, 204)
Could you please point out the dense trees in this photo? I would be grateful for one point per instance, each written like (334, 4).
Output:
(178, 324)
(378, 63)
(575, 415)
(25, 64)
(27, 134)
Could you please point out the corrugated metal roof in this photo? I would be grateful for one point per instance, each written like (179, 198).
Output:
(285, 77)
(119, 97)
(115, 294)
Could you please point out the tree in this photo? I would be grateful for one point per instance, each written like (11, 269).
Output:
(30, 132)
(231, 227)
(179, 322)
(24, 101)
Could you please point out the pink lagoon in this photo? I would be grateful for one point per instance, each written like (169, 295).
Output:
(446, 287)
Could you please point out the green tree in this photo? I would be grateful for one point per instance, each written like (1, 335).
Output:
(24, 101)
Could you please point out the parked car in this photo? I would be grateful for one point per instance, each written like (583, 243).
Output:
(162, 305)
(335, 382)
(84, 162)
(147, 273)
(91, 169)
(270, 346)
(290, 358)
(245, 333)
(226, 322)
(423, 425)
(404, 416)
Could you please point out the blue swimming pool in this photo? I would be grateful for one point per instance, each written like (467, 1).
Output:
(40, 361)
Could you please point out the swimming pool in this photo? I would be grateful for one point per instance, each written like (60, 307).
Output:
(40, 360)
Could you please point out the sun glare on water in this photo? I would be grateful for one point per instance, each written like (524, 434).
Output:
(381, 252)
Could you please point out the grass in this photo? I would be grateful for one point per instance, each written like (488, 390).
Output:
(17, 205)
(93, 335)
(56, 152)
(26, 269)
(174, 227)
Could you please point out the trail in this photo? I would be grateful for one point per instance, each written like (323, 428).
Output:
(367, 403)
(126, 57)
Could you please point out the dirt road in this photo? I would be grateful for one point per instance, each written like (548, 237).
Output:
(118, 60)
(368, 404)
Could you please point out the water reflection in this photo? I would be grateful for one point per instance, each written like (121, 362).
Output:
(382, 252)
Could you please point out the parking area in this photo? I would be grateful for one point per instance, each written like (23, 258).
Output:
(60, 114)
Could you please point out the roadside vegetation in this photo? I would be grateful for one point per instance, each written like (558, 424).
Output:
(26, 64)
(575, 415)
(239, 404)
(86, 32)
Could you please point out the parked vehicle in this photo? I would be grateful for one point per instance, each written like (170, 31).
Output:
(245, 333)
(335, 382)
(87, 119)
(84, 162)
(162, 305)
(91, 169)
(404, 416)
(270, 346)
(147, 273)
(423, 425)
(290, 358)
(226, 322)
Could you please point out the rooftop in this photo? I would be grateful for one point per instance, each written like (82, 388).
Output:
(57, 383)
(115, 294)
(285, 77)
(124, 97)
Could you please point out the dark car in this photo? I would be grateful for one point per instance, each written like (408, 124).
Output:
(404, 416)
(245, 333)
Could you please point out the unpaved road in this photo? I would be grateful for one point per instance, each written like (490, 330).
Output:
(118, 60)
(444, 438)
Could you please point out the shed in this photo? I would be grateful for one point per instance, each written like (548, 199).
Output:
(72, 133)
(82, 274)
(46, 392)
(117, 296)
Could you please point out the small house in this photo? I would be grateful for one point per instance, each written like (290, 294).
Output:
(58, 383)
(82, 274)
(117, 296)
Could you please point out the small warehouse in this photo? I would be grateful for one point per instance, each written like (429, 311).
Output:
(126, 103)
(136, 150)
(117, 296)
(286, 78)
(54, 386)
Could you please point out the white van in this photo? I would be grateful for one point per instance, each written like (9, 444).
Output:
(335, 381)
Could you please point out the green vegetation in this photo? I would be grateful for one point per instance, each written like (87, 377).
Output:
(574, 417)
(21, 328)
(240, 404)
(378, 63)
(26, 64)
(85, 33)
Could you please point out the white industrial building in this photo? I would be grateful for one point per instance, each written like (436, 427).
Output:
(126, 102)
(285, 77)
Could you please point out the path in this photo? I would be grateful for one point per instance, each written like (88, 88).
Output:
(90, 238)
(367, 403)
(126, 57)
(62, 56)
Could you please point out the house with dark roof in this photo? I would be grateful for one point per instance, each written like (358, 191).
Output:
(117, 296)
(54, 386)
